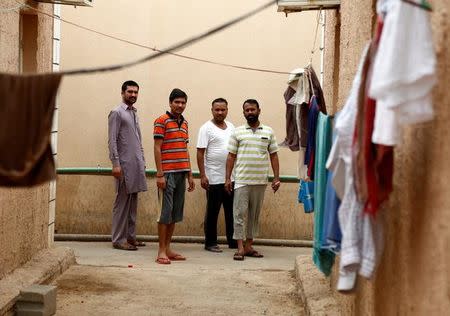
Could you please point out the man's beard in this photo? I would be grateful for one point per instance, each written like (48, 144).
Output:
(252, 118)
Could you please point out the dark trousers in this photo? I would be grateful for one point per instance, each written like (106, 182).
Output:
(217, 196)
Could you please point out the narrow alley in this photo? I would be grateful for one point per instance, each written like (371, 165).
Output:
(110, 282)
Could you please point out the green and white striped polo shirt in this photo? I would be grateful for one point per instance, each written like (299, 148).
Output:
(252, 149)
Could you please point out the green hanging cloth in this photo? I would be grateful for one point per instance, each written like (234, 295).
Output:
(323, 258)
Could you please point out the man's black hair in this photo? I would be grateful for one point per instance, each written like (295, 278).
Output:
(129, 83)
(219, 100)
(251, 101)
(177, 93)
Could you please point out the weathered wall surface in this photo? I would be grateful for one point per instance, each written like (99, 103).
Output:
(23, 212)
(267, 40)
(413, 277)
(84, 206)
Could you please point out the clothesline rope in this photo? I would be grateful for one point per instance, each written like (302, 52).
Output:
(166, 51)
(313, 50)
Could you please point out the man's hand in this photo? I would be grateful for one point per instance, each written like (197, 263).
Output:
(191, 183)
(228, 186)
(275, 184)
(117, 172)
(161, 182)
(204, 183)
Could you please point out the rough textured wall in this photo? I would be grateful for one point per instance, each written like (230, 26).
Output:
(84, 205)
(23, 212)
(413, 277)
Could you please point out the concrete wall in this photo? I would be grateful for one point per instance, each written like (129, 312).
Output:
(24, 213)
(268, 40)
(87, 202)
(413, 277)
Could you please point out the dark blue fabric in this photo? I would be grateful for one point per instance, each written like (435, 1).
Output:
(312, 122)
(332, 235)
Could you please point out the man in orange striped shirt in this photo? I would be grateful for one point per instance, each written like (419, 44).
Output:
(173, 167)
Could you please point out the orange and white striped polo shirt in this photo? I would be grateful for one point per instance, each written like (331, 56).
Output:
(174, 151)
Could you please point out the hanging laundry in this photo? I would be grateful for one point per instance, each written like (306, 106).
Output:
(373, 163)
(311, 144)
(292, 139)
(28, 102)
(306, 195)
(316, 88)
(361, 241)
(332, 232)
(301, 101)
(323, 258)
(403, 71)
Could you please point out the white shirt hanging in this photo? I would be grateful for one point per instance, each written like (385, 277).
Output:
(403, 71)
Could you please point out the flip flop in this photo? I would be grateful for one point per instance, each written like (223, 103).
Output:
(238, 256)
(177, 257)
(161, 260)
(254, 254)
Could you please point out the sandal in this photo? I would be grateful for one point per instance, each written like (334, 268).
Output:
(254, 254)
(177, 257)
(161, 260)
(136, 243)
(125, 246)
(238, 256)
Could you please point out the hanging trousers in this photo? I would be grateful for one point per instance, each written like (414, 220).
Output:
(124, 215)
(217, 196)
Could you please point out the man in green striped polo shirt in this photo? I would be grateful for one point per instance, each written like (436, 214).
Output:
(250, 148)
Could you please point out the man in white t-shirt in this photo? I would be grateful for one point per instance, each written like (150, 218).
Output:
(211, 159)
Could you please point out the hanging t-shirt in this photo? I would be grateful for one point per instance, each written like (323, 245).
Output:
(403, 71)
(215, 140)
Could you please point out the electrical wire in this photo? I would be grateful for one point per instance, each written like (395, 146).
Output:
(166, 51)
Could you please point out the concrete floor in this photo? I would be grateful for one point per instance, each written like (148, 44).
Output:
(115, 282)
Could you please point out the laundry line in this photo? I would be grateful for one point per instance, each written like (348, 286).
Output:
(170, 50)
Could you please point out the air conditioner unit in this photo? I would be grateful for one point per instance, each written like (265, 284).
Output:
(84, 3)
(288, 6)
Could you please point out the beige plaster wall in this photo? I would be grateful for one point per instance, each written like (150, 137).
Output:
(268, 40)
(23, 212)
(84, 207)
(413, 277)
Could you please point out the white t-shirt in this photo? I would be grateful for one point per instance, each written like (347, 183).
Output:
(215, 140)
(403, 71)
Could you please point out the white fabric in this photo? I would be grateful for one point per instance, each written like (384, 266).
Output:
(359, 235)
(215, 140)
(403, 71)
(294, 75)
(301, 96)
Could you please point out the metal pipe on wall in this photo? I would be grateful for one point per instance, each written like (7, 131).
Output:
(148, 172)
(183, 239)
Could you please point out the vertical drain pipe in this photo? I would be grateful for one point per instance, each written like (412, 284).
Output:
(56, 39)
(322, 45)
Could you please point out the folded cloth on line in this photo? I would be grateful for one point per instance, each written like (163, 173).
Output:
(26, 114)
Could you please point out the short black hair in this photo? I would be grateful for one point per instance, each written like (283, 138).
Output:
(177, 93)
(129, 83)
(251, 101)
(219, 100)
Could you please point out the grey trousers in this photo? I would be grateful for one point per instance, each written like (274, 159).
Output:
(247, 204)
(124, 215)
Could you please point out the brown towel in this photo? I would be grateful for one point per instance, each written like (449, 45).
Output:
(26, 112)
